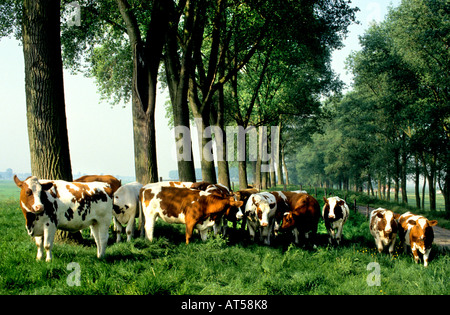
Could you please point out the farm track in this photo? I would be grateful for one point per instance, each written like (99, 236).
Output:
(441, 235)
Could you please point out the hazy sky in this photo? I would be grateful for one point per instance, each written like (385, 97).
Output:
(100, 136)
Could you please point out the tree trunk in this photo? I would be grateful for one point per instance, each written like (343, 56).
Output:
(144, 144)
(177, 73)
(222, 162)
(146, 60)
(205, 148)
(404, 173)
(416, 182)
(396, 175)
(423, 191)
(44, 87)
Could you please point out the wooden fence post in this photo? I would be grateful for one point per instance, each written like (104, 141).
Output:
(367, 211)
(354, 206)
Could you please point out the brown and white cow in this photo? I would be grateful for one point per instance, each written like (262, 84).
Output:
(48, 205)
(109, 179)
(383, 228)
(335, 213)
(260, 213)
(194, 208)
(221, 225)
(417, 232)
(303, 216)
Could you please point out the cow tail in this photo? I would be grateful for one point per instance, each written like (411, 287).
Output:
(141, 217)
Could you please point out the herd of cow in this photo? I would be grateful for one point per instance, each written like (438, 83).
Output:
(92, 200)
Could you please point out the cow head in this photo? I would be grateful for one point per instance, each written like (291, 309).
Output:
(122, 200)
(234, 209)
(30, 194)
(333, 205)
(288, 220)
(422, 233)
(258, 210)
(387, 223)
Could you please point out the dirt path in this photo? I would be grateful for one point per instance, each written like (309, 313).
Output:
(441, 235)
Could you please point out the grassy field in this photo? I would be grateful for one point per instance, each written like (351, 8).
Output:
(217, 266)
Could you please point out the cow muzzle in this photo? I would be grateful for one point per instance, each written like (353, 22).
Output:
(38, 208)
(331, 216)
(264, 224)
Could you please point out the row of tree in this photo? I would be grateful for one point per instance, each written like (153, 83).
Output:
(395, 123)
(245, 62)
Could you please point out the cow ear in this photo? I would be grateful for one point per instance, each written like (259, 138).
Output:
(325, 199)
(432, 223)
(18, 181)
(47, 186)
(396, 216)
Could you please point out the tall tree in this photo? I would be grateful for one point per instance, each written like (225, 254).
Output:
(44, 86)
(178, 65)
(146, 59)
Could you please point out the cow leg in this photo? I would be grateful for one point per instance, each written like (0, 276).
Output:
(379, 244)
(331, 235)
(49, 236)
(118, 229)
(101, 233)
(391, 247)
(204, 234)
(189, 229)
(149, 227)
(251, 232)
(141, 219)
(296, 236)
(39, 240)
(130, 228)
(266, 234)
(415, 254)
(425, 257)
(339, 234)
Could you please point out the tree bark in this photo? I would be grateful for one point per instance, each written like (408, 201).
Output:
(146, 60)
(177, 73)
(44, 88)
(416, 182)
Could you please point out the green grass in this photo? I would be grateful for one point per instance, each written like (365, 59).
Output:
(217, 266)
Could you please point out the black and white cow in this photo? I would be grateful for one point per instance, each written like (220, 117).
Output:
(335, 213)
(260, 211)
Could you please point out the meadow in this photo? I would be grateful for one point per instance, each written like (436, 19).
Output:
(220, 265)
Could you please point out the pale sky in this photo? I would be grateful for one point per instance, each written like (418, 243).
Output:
(100, 136)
